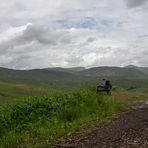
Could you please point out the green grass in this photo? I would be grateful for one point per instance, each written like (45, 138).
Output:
(33, 121)
(11, 91)
(128, 97)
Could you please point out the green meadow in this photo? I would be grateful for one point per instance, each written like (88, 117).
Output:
(11, 91)
(32, 121)
(37, 107)
(37, 121)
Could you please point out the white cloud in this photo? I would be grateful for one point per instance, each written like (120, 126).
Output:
(43, 33)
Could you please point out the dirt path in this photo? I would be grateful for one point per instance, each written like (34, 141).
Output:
(128, 131)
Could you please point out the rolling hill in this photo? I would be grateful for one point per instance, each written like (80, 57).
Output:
(35, 75)
(142, 69)
(43, 77)
(71, 70)
(115, 72)
(69, 78)
(15, 83)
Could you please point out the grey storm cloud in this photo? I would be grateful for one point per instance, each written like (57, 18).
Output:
(136, 3)
(32, 45)
(43, 35)
(38, 34)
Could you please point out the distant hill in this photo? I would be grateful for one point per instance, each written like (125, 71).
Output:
(142, 69)
(69, 78)
(71, 74)
(72, 69)
(115, 72)
(37, 74)
(76, 68)
(43, 77)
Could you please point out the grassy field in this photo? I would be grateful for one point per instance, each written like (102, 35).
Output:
(34, 116)
(33, 121)
(127, 97)
(11, 91)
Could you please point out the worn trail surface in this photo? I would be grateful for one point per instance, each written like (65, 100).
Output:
(128, 131)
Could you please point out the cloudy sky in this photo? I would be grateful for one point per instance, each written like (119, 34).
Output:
(69, 33)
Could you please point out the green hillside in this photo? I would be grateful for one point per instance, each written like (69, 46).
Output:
(44, 78)
(126, 78)
(20, 83)
(115, 72)
(142, 69)
(71, 70)
(68, 79)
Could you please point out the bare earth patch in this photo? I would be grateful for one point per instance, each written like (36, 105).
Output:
(128, 131)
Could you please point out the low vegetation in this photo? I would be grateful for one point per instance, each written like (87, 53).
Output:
(37, 121)
(11, 91)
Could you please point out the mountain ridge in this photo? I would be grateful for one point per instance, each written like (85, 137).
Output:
(67, 78)
(114, 72)
(143, 69)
